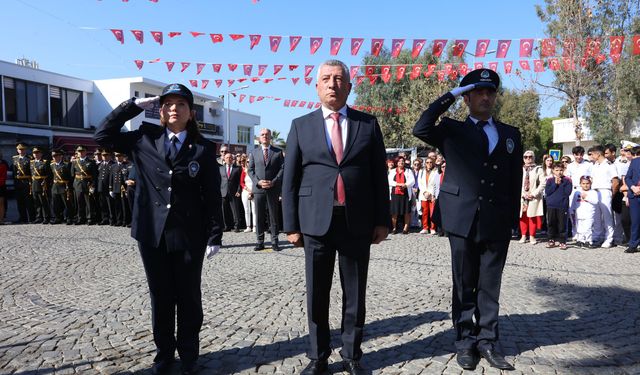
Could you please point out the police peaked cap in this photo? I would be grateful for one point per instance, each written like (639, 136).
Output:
(482, 78)
(177, 89)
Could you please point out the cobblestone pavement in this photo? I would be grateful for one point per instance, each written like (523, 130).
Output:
(75, 301)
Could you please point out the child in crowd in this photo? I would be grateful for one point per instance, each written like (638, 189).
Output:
(557, 190)
(583, 208)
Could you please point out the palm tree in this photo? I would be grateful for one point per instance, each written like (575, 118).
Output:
(276, 139)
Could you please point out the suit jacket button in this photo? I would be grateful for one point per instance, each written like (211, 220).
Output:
(480, 198)
(482, 181)
(169, 206)
(495, 166)
(169, 188)
(485, 164)
(157, 203)
(170, 172)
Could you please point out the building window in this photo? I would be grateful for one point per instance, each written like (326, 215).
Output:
(1, 101)
(153, 112)
(26, 101)
(244, 134)
(199, 112)
(66, 108)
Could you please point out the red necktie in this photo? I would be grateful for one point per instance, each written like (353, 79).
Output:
(228, 171)
(336, 143)
(266, 155)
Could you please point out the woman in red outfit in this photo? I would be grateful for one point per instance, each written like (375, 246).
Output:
(427, 181)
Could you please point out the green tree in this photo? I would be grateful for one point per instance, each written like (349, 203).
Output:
(522, 110)
(276, 139)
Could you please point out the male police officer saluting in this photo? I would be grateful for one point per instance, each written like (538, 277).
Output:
(478, 203)
(175, 217)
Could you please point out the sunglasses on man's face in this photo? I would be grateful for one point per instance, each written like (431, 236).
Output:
(528, 157)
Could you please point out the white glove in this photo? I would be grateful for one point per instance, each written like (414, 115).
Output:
(147, 103)
(458, 90)
(212, 250)
(111, 194)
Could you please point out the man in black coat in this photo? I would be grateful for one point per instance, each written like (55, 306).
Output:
(105, 202)
(118, 189)
(478, 203)
(230, 190)
(335, 198)
(266, 165)
(176, 216)
(84, 173)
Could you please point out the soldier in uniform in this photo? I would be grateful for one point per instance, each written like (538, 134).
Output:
(118, 189)
(478, 203)
(130, 181)
(20, 166)
(84, 172)
(61, 190)
(40, 183)
(105, 202)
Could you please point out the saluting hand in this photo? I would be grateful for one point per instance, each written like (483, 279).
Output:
(461, 90)
(147, 103)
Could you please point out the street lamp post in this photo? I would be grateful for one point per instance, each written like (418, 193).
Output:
(228, 130)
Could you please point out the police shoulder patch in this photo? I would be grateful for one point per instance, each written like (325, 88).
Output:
(510, 145)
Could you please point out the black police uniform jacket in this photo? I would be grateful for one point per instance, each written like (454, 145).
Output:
(477, 185)
(181, 201)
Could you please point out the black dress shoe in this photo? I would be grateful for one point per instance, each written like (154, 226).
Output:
(90, 222)
(259, 247)
(275, 247)
(69, 222)
(188, 369)
(37, 221)
(467, 358)
(631, 250)
(80, 222)
(496, 359)
(162, 367)
(354, 368)
(316, 367)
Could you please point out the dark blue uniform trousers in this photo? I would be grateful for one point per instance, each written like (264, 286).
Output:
(634, 212)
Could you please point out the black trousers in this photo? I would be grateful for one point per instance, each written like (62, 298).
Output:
(121, 208)
(24, 200)
(42, 206)
(262, 202)
(174, 284)
(625, 218)
(84, 206)
(353, 262)
(557, 224)
(107, 207)
(477, 276)
(62, 208)
(231, 203)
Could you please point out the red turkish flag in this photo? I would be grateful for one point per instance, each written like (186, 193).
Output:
(386, 73)
(185, 65)
(255, 79)
(459, 47)
(173, 34)
(157, 60)
(241, 98)
(293, 42)
(396, 47)
(568, 64)
(493, 66)
(308, 69)
(274, 42)
(294, 103)
(199, 68)
(526, 46)
(287, 102)
(354, 70)
(453, 75)
(139, 35)
(119, 35)
(260, 98)
(216, 67)
(314, 44)
(276, 69)
(356, 43)
(548, 47)
(216, 38)
(230, 82)
(524, 64)
(478, 65)
(538, 66)
(600, 59)
(318, 105)
(430, 69)
(139, 63)
(196, 34)
(170, 65)
(463, 69)
(193, 82)
(292, 67)
(417, 47)
(232, 67)
(373, 79)
(507, 66)
(255, 39)
(157, 36)
(447, 68)
(376, 46)
(240, 80)
(308, 80)
(247, 69)
(438, 47)
(369, 70)
(615, 58)
(252, 99)
(503, 48)
(261, 69)
(302, 103)
(481, 47)
(636, 44)
(568, 47)
(295, 80)
(440, 75)
(616, 43)
(235, 37)
(553, 64)
(593, 47)
(336, 43)
(205, 83)
(400, 70)
(310, 105)
(267, 80)
(415, 71)
(359, 80)
(218, 82)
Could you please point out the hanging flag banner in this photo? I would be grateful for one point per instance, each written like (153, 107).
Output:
(417, 47)
(254, 40)
(293, 42)
(314, 44)
(119, 35)
(376, 46)
(274, 42)
(356, 43)
(336, 43)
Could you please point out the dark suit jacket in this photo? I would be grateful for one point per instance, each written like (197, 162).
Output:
(272, 171)
(180, 201)
(231, 185)
(310, 174)
(633, 177)
(476, 183)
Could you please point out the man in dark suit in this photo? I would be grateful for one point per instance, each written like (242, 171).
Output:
(478, 203)
(176, 217)
(632, 180)
(266, 165)
(335, 198)
(105, 203)
(230, 190)
(84, 173)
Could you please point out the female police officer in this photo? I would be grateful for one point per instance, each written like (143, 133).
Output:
(176, 215)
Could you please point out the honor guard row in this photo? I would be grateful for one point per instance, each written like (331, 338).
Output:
(78, 191)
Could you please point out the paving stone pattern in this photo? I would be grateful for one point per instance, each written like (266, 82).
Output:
(76, 302)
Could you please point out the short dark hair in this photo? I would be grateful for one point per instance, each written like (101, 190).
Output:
(635, 151)
(597, 148)
(577, 150)
(610, 147)
(558, 164)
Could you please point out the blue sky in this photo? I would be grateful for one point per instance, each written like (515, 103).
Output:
(72, 37)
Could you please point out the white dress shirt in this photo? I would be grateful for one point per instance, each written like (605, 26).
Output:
(577, 170)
